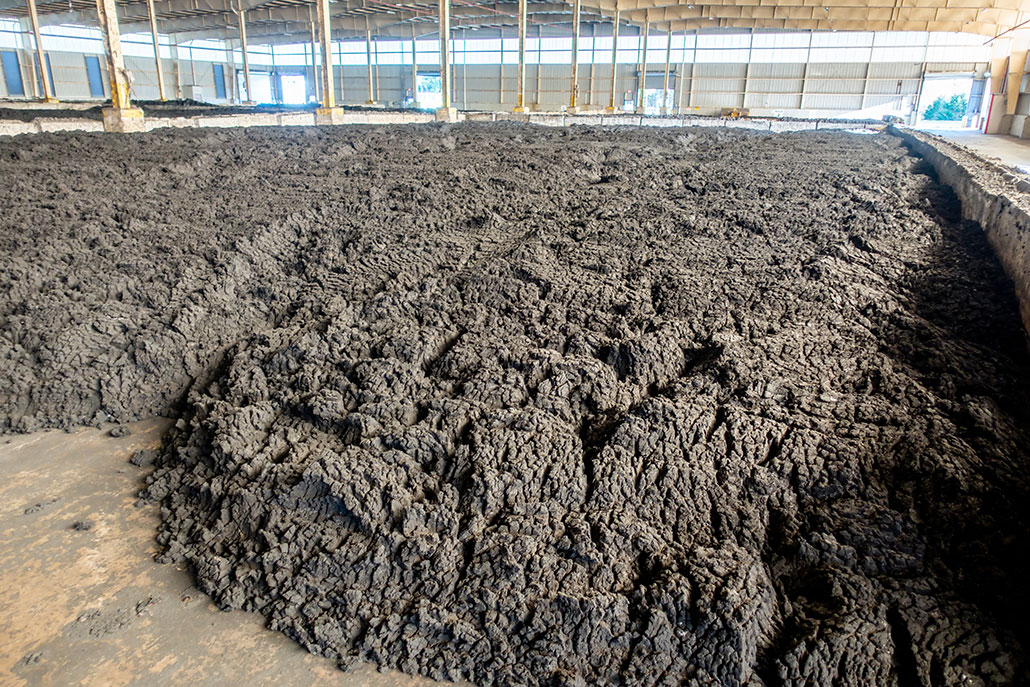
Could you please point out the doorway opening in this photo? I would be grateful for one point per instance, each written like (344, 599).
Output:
(261, 82)
(430, 91)
(294, 89)
(944, 101)
(653, 100)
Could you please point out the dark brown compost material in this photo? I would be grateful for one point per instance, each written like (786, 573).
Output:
(547, 407)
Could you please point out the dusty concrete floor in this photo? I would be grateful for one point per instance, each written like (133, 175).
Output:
(91, 607)
(1009, 149)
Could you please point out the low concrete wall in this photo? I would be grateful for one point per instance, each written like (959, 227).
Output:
(12, 128)
(993, 195)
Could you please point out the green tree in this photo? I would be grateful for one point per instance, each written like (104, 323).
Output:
(946, 109)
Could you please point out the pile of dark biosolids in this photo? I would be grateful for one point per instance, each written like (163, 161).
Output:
(523, 406)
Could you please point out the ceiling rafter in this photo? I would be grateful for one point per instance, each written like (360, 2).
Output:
(269, 20)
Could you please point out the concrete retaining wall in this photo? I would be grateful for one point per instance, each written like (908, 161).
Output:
(992, 195)
(11, 128)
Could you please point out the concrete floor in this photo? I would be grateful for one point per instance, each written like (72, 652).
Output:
(91, 607)
(1012, 151)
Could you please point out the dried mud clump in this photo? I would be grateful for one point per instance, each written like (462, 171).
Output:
(531, 407)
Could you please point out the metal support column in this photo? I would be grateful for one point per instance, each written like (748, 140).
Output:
(668, 60)
(539, 64)
(615, 45)
(121, 116)
(681, 77)
(108, 16)
(314, 63)
(375, 53)
(277, 84)
(157, 49)
(231, 61)
(339, 58)
(241, 14)
(693, 74)
(593, 58)
(865, 83)
(804, 73)
(520, 86)
(643, 70)
(176, 66)
(414, 68)
(747, 70)
(574, 86)
(368, 58)
(446, 111)
(328, 113)
(44, 73)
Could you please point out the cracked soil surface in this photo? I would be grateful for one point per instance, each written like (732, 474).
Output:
(524, 406)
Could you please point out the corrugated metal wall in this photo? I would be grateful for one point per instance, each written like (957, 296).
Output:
(818, 88)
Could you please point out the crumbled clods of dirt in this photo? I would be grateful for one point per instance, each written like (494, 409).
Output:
(604, 407)
(143, 458)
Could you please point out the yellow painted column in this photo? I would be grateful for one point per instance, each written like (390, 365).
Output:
(44, 73)
(157, 50)
(574, 86)
(328, 113)
(520, 99)
(121, 116)
(325, 41)
(615, 47)
(447, 112)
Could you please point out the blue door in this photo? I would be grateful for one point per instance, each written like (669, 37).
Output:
(96, 79)
(12, 72)
(219, 82)
(50, 73)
